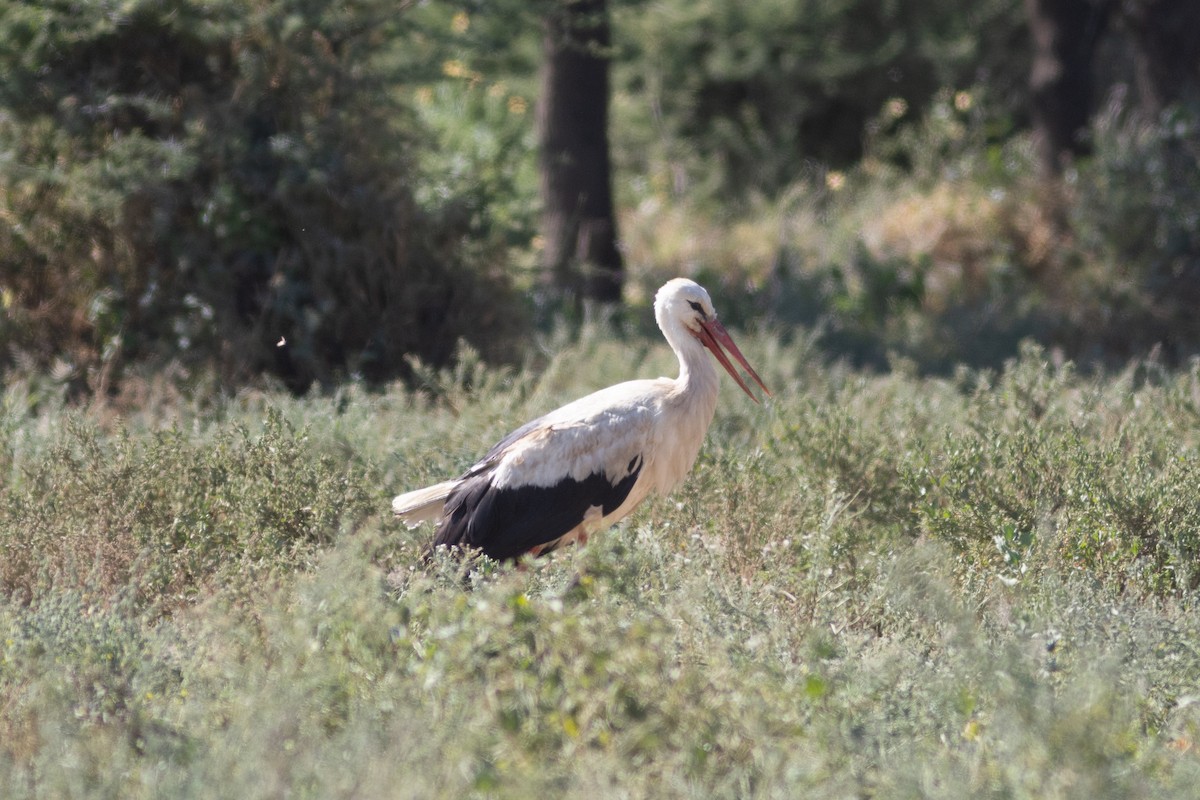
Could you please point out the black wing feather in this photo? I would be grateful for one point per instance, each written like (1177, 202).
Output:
(507, 523)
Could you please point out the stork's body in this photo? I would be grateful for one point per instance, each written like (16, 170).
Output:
(587, 465)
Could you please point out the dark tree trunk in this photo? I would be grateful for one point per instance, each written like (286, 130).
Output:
(1166, 39)
(1166, 36)
(580, 255)
(1065, 34)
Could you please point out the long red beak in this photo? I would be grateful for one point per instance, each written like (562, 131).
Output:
(714, 336)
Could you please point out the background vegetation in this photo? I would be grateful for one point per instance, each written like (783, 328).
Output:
(264, 264)
(188, 183)
(185, 186)
(873, 586)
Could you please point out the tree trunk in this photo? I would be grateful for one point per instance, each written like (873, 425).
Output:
(1166, 36)
(580, 256)
(1065, 33)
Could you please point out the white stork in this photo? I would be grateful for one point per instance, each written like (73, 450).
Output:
(587, 465)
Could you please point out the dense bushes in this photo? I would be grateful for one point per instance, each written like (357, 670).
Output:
(922, 228)
(870, 584)
(750, 97)
(155, 521)
(1137, 217)
(314, 190)
(205, 180)
(942, 247)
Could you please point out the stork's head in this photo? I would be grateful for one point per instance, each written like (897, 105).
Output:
(684, 304)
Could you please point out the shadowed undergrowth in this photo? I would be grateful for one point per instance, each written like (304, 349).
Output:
(876, 585)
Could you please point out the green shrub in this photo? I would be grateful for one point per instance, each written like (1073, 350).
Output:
(1136, 212)
(800, 619)
(220, 183)
(1037, 474)
(727, 96)
(160, 519)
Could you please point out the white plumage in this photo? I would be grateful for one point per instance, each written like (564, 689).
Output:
(585, 466)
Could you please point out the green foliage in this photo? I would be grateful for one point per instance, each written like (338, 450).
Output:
(202, 181)
(483, 172)
(875, 584)
(161, 518)
(318, 191)
(942, 248)
(1137, 214)
(477, 109)
(1105, 474)
(744, 96)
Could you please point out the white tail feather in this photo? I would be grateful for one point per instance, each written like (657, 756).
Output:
(422, 505)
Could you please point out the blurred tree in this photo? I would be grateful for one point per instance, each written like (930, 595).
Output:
(1166, 35)
(1065, 35)
(1133, 202)
(1166, 38)
(580, 256)
(738, 98)
(199, 181)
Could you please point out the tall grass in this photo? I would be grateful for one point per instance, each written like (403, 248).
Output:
(874, 586)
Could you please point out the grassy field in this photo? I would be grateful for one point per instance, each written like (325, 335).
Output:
(876, 585)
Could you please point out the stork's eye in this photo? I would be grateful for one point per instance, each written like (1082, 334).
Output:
(695, 306)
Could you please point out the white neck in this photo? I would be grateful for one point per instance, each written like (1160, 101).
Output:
(688, 407)
(698, 380)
